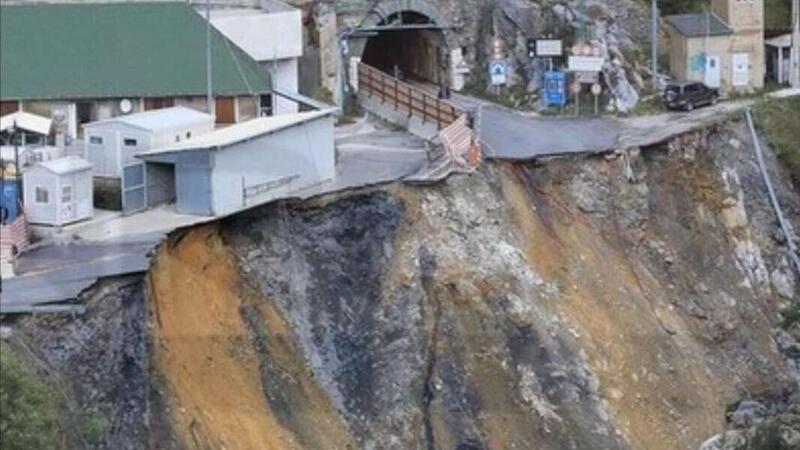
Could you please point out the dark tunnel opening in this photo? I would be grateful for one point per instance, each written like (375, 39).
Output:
(415, 51)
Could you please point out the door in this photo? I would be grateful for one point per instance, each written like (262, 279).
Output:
(193, 189)
(741, 69)
(68, 206)
(226, 110)
(712, 78)
(134, 190)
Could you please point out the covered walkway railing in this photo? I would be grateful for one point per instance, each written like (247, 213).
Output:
(405, 98)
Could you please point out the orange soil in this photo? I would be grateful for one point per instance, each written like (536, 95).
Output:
(204, 353)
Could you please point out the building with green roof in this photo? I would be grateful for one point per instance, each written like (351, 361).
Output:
(99, 60)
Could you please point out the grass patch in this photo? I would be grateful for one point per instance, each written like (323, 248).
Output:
(650, 105)
(515, 97)
(790, 315)
(778, 119)
(28, 411)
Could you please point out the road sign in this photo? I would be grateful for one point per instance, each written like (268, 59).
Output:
(586, 63)
(555, 87)
(596, 89)
(575, 87)
(498, 71)
(530, 44)
(549, 47)
(587, 77)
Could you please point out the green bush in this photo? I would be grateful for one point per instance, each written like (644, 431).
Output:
(27, 408)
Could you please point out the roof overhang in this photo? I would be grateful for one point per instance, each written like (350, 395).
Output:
(784, 40)
(26, 121)
(238, 133)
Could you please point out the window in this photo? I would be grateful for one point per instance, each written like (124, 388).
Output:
(42, 195)
(177, 138)
(97, 140)
(130, 142)
(188, 134)
(66, 194)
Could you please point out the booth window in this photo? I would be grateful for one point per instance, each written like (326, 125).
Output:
(42, 195)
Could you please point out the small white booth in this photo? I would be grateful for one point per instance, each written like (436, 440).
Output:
(58, 192)
(112, 144)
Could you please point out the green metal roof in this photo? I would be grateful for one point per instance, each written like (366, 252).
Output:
(71, 51)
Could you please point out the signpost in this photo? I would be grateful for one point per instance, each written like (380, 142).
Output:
(596, 91)
(575, 87)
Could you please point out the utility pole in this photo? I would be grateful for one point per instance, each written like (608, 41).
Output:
(794, 73)
(209, 94)
(654, 48)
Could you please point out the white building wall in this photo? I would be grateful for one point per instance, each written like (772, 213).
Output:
(285, 76)
(103, 156)
(166, 137)
(112, 155)
(264, 36)
(40, 213)
(306, 151)
(139, 141)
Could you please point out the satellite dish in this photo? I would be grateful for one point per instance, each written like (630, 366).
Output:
(125, 106)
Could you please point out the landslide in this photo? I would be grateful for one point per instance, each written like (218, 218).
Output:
(620, 302)
(642, 300)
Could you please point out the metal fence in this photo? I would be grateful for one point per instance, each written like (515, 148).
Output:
(405, 97)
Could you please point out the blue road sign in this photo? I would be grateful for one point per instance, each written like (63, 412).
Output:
(498, 70)
(555, 88)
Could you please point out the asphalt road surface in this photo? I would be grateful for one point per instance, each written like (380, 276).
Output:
(509, 135)
(54, 273)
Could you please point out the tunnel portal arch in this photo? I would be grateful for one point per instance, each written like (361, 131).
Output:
(419, 49)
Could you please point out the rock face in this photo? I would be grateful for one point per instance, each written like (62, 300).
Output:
(577, 304)
(618, 27)
(610, 303)
(99, 366)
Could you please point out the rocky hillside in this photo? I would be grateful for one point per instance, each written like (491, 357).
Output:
(572, 304)
(619, 27)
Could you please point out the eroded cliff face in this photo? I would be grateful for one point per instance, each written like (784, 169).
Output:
(575, 304)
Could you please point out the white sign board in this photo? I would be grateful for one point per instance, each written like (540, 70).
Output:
(587, 77)
(498, 71)
(741, 69)
(586, 63)
(549, 47)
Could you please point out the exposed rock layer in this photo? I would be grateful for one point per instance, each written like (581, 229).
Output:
(579, 304)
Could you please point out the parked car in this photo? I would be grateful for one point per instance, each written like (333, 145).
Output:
(688, 95)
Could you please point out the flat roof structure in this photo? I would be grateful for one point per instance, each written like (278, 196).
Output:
(699, 25)
(239, 132)
(161, 119)
(66, 165)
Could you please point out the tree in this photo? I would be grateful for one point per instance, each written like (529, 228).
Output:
(668, 7)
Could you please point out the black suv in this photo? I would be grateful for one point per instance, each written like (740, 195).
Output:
(688, 95)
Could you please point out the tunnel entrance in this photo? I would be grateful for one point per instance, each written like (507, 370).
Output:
(410, 46)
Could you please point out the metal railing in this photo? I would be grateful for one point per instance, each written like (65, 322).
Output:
(406, 98)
